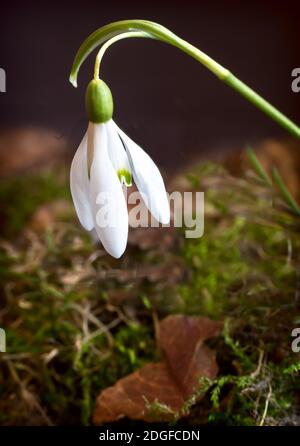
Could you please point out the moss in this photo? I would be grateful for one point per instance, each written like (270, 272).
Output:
(76, 323)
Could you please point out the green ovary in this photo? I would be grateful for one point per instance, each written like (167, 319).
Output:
(99, 102)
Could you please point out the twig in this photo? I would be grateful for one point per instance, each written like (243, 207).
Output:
(262, 421)
(258, 369)
(28, 397)
(104, 330)
(289, 250)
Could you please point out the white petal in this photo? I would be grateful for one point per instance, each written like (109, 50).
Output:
(106, 196)
(79, 182)
(148, 179)
(117, 154)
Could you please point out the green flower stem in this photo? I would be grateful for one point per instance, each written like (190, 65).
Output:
(151, 30)
(110, 42)
(155, 31)
(285, 192)
(262, 104)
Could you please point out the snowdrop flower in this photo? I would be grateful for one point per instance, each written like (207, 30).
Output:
(104, 163)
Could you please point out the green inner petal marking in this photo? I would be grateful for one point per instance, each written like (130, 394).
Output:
(125, 177)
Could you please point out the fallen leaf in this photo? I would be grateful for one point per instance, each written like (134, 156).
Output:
(129, 396)
(181, 339)
(170, 382)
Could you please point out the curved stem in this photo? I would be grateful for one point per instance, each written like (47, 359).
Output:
(151, 30)
(144, 28)
(110, 42)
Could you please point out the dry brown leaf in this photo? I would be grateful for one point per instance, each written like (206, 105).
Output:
(170, 382)
(181, 339)
(129, 396)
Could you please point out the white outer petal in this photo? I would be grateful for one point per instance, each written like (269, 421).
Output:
(147, 179)
(116, 151)
(104, 183)
(79, 183)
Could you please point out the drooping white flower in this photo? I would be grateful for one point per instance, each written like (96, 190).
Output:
(105, 162)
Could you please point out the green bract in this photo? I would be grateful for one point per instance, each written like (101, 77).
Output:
(99, 102)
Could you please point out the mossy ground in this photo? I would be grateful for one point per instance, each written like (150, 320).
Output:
(77, 320)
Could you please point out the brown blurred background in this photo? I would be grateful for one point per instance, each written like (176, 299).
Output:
(165, 100)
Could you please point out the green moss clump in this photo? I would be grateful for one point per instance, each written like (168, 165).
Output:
(77, 320)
